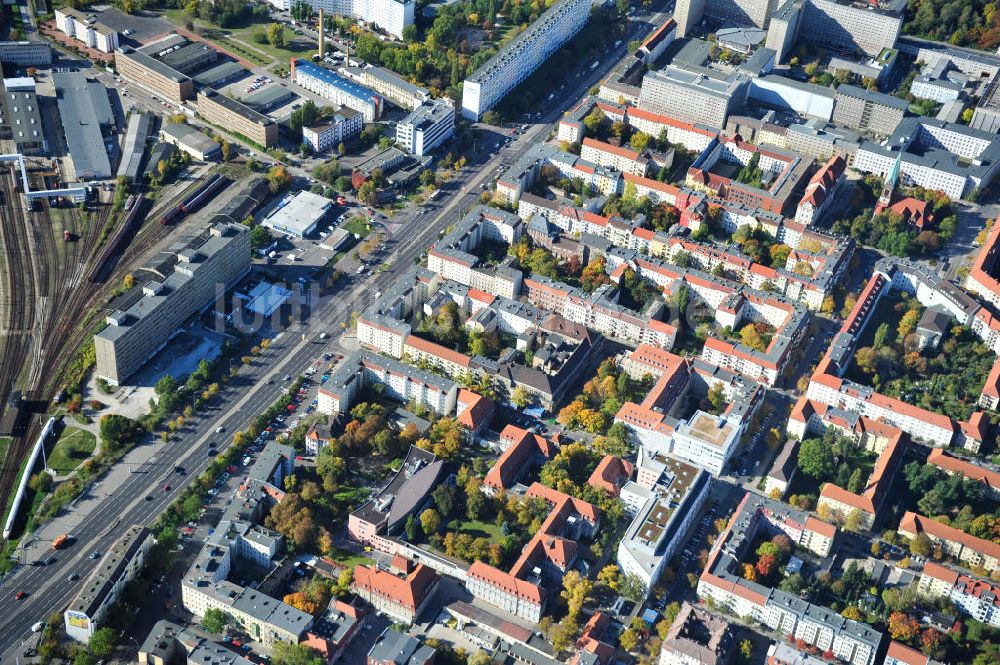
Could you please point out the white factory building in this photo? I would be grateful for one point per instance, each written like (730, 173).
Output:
(427, 127)
(298, 215)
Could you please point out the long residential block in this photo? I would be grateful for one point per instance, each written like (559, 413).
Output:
(235, 116)
(524, 54)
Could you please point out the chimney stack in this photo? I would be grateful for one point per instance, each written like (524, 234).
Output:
(322, 35)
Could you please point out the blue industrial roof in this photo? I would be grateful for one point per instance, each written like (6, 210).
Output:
(334, 79)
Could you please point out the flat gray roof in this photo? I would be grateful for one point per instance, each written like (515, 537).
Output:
(227, 71)
(873, 96)
(81, 125)
(189, 136)
(154, 65)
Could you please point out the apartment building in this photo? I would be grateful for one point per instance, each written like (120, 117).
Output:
(401, 592)
(451, 257)
(389, 15)
(389, 85)
(952, 465)
(400, 381)
(427, 127)
(396, 648)
(868, 110)
(689, 13)
(198, 274)
(821, 191)
(698, 97)
(520, 57)
(663, 523)
(336, 88)
(615, 157)
(26, 54)
(697, 638)
(234, 116)
(811, 419)
(343, 125)
(937, 155)
(121, 564)
(849, 25)
(984, 275)
(153, 75)
(976, 598)
(986, 116)
(86, 29)
(900, 654)
(973, 552)
(784, 613)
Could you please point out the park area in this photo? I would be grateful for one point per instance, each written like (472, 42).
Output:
(73, 447)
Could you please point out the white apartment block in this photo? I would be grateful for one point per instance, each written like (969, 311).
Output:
(389, 15)
(86, 29)
(400, 382)
(427, 127)
(977, 598)
(689, 13)
(522, 56)
(345, 124)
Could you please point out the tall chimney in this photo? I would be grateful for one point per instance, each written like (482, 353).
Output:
(322, 36)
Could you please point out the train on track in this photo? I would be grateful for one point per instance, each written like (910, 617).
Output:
(195, 199)
(133, 218)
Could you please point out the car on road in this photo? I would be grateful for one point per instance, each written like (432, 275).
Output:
(73, 577)
(220, 429)
(94, 555)
(149, 497)
(166, 488)
(21, 595)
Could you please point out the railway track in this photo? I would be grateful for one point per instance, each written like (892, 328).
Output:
(58, 282)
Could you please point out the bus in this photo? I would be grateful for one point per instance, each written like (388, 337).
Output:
(435, 194)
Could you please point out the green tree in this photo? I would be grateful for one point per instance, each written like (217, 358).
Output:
(430, 521)
(816, 459)
(102, 642)
(285, 653)
(215, 620)
(881, 335)
(226, 149)
(276, 35)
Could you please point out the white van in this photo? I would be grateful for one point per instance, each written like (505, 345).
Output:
(38, 626)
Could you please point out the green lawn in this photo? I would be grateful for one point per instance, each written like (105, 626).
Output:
(358, 226)
(348, 560)
(241, 40)
(474, 528)
(74, 446)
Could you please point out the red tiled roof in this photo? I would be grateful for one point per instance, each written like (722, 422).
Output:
(506, 582)
(943, 460)
(478, 411)
(437, 350)
(523, 445)
(916, 524)
(992, 386)
(408, 591)
(610, 474)
(905, 654)
(819, 526)
(611, 149)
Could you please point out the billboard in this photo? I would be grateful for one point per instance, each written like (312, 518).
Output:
(78, 620)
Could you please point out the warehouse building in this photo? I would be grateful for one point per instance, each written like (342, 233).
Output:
(189, 57)
(191, 141)
(269, 98)
(20, 119)
(238, 118)
(122, 563)
(520, 57)
(84, 119)
(427, 127)
(153, 75)
(219, 256)
(345, 124)
(336, 89)
(26, 54)
(139, 127)
(298, 214)
(221, 74)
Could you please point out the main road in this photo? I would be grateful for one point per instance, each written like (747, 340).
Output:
(49, 588)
